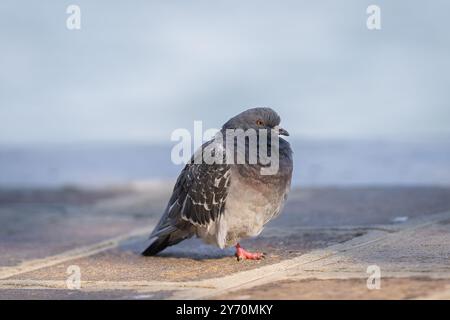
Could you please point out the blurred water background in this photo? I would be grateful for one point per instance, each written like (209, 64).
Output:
(317, 163)
(97, 106)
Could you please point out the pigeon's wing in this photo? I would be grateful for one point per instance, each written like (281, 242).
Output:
(204, 192)
(198, 197)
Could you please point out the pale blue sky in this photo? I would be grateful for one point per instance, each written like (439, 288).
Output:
(138, 70)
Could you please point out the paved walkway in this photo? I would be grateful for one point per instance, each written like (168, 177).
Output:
(320, 247)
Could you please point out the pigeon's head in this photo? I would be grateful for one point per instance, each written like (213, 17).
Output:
(256, 118)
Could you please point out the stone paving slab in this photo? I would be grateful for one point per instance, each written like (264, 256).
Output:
(40, 223)
(190, 261)
(327, 234)
(46, 294)
(422, 249)
(338, 289)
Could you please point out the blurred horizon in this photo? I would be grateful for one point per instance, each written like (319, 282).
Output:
(316, 164)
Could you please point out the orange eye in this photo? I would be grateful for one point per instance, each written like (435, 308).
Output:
(259, 122)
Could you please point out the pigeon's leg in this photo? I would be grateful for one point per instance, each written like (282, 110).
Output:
(242, 254)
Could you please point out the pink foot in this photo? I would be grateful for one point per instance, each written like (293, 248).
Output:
(242, 254)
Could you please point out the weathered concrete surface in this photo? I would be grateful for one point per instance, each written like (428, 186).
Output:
(339, 289)
(190, 261)
(39, 223)
(324, 239)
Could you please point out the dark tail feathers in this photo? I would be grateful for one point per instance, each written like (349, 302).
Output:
(164, 241)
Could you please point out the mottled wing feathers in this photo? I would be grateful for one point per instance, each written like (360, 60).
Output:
(205, 189)
(198, 196)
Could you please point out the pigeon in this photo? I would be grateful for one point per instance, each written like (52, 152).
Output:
(225, 201)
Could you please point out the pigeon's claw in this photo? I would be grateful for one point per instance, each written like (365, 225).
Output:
(242, 254)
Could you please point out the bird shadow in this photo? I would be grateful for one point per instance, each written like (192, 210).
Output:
(193, 249)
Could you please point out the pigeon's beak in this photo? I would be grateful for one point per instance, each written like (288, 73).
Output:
(282, 132)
